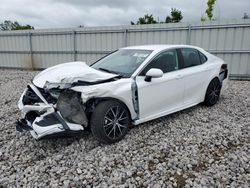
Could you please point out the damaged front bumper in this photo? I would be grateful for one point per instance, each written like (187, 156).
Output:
(41, 117)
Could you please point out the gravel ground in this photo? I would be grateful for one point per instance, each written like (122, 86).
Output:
(197, 147)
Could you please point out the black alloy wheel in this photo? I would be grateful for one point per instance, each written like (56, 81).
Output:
(213, 92)
(110, 121)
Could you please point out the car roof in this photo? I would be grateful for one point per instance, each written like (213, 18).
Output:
(159, 47)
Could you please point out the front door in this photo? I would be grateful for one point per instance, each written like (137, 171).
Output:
(161, 95)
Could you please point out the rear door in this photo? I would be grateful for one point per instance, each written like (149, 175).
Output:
(195, 75)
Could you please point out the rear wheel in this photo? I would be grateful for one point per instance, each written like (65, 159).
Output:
(213, 92)
(110, 121)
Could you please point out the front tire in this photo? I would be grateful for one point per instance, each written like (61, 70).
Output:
(110, 121)
(213, 92)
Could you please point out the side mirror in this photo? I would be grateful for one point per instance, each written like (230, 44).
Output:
(153, 73)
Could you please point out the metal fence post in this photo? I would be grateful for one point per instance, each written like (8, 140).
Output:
(74, 45)
(31, 51)
(189, 34)
(125, 42)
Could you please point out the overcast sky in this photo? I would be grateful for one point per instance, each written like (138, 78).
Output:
(72, 13)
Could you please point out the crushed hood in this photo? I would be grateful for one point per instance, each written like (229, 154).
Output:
(68, 73)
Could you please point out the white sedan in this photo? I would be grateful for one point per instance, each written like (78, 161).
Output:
(132, 85)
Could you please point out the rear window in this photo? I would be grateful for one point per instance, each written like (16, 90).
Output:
(191, 57)
(203, 58)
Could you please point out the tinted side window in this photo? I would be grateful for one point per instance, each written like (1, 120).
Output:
(190, 56)
(166, 61)
(203, 58)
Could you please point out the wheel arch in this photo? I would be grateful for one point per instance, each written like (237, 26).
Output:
(210, 80)
(207, 84)
(213, 78)
(93, 102)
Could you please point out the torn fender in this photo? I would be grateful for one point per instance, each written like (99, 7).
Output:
(119, 89)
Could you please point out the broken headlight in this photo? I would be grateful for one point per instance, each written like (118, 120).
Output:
(31, 98)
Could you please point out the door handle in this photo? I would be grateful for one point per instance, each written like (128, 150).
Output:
(207, 69)
(179, 76)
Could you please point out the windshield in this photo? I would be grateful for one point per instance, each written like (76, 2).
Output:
(123, 62)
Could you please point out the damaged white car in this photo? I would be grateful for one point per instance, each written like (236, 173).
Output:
(129, 86)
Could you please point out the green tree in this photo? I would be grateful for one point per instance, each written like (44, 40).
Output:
(245, 16)
(203, 19)
(146, 19)
(210, 8)
(175, 17)
(8, 25)
(168, 19)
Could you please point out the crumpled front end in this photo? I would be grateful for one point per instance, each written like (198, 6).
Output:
(53, 103)
(46, 113)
